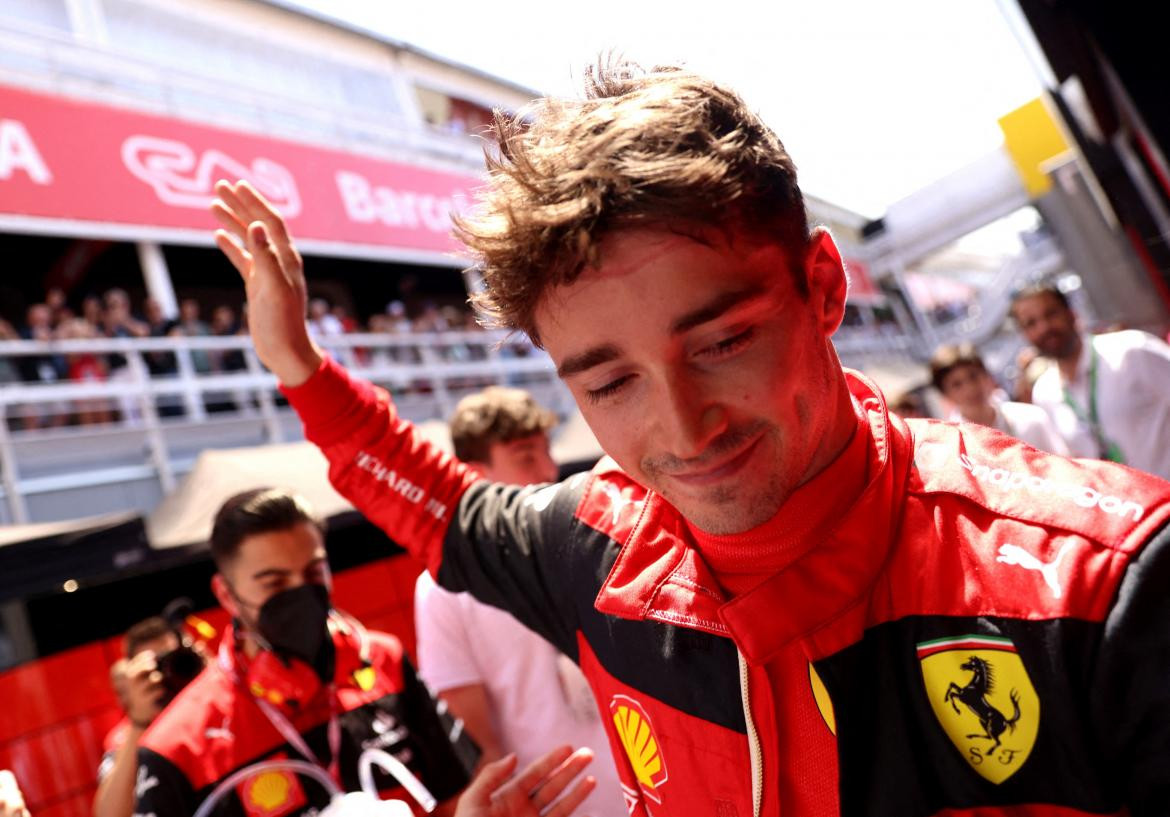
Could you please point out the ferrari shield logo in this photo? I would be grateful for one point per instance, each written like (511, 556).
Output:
(982, 696)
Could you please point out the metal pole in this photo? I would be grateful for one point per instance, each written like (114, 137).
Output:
(9, 476)
(192, 397)
(433, 365)
(264, 397)
(158, 277)
(154, 436)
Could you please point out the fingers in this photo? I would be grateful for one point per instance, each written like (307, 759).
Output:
(540, 768)
(229, 219)
(240, 205)
(260, 210)
(231, 202)
(264, 260)
(561, 777)
(240, 258)
(576, 796)
(491, 777)
(142, 664)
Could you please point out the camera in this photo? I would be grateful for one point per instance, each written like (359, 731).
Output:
(179, 668)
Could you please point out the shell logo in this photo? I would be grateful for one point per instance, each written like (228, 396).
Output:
(271, 793)
(636, 734)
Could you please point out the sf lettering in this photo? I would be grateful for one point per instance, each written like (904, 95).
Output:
(1001, 755)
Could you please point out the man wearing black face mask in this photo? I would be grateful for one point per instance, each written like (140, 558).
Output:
(294, 679)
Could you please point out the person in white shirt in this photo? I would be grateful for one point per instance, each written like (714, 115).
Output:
(1108, 395)
(322, 322)
(960, 375)
(513, 690)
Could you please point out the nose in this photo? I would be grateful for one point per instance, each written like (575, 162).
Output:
(1042, 325)
(688, 417)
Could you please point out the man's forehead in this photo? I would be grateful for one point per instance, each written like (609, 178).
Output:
(302, 542)
(628, 250)
(724, 261)
(1041, 300)
(537, 438)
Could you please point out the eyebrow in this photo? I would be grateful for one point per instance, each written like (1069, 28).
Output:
(282, 572)
(715, 308)
(588, 359)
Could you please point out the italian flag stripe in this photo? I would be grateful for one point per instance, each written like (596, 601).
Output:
(965, 642)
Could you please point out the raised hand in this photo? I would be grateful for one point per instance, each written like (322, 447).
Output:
(533, 792)
(256, 241)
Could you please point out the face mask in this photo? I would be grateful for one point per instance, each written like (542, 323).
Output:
(294, 625)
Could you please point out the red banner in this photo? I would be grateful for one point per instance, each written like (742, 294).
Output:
(82, 162)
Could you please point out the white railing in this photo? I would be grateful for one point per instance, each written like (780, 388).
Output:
(162, 421)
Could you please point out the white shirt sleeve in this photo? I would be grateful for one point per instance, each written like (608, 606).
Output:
(1150, 361)
(1032, 424)
(445, 656)
(1044, 430)
(1047, 437)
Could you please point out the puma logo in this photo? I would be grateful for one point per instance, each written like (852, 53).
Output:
(145, 782)
(1014, 555)
(617, 500)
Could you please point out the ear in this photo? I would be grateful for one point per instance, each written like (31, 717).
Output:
(223, 595)
(827, 282)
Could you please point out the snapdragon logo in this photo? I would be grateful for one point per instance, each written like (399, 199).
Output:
(1082, 495)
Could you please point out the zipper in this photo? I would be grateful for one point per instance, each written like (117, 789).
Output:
(753, 737)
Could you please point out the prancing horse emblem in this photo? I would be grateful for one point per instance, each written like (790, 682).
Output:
(984, 701)
(974, 697)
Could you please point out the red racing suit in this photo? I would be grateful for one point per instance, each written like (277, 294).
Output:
(983, 630)
(214, 728)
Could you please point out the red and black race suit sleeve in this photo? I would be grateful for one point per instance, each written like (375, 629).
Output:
(510, 547)
(162, 789)
(514, 548)
(1131, 690)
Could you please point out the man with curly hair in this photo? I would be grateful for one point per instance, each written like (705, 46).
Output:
(776, 589)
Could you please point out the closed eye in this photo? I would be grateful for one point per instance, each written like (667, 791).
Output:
(729, 345)
(609, 389)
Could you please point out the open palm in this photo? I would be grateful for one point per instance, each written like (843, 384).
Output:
(257, 242)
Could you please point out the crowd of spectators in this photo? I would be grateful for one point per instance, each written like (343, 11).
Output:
(1097, 395)
(111, 315)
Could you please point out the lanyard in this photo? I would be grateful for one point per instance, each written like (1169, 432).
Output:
(1107, 449)
(281, 723)
(297, 741)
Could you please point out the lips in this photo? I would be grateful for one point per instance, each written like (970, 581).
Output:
(720, 471)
